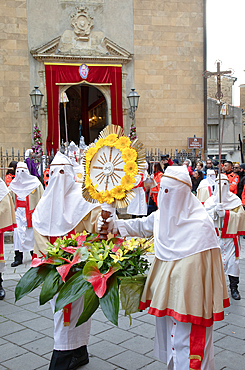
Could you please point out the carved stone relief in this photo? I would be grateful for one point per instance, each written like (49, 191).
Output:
(81, 23)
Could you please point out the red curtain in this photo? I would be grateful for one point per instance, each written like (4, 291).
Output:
(69, 74)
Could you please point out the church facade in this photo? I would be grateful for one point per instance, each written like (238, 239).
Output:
(96, 51)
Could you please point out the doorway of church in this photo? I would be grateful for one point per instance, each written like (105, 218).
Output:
(86, 114)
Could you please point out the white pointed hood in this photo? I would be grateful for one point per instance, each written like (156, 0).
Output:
(229, 200)
(23, 183)
(62, 205)
(182, 226)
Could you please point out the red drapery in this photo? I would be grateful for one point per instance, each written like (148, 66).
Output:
(69, 74)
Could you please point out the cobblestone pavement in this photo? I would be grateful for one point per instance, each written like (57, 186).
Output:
(26, 332)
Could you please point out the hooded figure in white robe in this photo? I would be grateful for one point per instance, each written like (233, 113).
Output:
(63, 211)
(26, 191)
(229, 220)
(206, 186)
(185, 288)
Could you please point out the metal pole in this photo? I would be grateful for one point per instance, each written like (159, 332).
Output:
(220, 149)
(65, 122)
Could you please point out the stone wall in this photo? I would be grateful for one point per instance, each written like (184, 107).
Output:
(14, 76)
(168, 49)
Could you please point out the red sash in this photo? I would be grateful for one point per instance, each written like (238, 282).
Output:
(197, 346)
(25, 204)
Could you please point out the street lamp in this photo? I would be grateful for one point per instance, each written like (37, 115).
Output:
(36, 100)
(133, 98)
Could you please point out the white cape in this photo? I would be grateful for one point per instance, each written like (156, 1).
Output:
(23, 183)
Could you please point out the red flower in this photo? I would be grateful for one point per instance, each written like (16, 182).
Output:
(81, 254)
(80, 239)
(92, 274)
(40, 261)
(117, 245)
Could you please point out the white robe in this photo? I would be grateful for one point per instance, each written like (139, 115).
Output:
(138, 205)
(70, 337)
(23, 235)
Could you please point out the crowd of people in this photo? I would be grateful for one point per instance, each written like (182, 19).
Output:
(176, 200)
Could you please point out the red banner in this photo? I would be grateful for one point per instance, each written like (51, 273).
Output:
(69, 74)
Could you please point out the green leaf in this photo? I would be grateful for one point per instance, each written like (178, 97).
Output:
(73, 289)
(34, 277)
(91, 303)
(109, 303)
(51, 286)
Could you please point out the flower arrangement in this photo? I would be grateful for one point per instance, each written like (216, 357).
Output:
(111, 166)
(85, 265)
(37, 143)
(132, 135)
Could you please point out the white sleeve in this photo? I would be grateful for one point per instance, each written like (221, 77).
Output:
(142, 227)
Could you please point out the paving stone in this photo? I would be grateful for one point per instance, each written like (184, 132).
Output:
(217, 350)
(49, 331)
(98, 327)
(9, 282)
(150, 319)
(48, 356)
(39, 324)
(146, 330)
(124, 323)
(47, 313)
(2, 368)
(40, 346)
(217, 336)
(139, 344)
(22, 316)
(10, 308)
(233, 331)
(234, 344)
(130, 360)
(237, 310)
(97, 364)
(93, 339)
(228, 360)
(3, 318)
(156, 365)
(10, 350)
(8, 327)
(105, 350)
(116, 335)
(27, 361)
(2, 341)
(44, 367)
(219, 324)
(35, 307)
(235, 320)
(23, 336)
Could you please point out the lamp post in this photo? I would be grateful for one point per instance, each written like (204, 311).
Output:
(64, 99)
(133, 98)
(36, 102)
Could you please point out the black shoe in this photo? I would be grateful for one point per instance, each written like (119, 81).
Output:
(77, 362)
(83, 358)
(2, 293)
(16, 263)
(235, 294)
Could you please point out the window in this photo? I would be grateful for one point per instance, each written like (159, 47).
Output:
(213, 132)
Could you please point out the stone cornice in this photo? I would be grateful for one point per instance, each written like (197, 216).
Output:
(50, 52)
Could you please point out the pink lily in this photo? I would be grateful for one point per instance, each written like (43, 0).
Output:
(117, 245)
(81, 254)
(40, 261)
(92, 274)
(80, 239)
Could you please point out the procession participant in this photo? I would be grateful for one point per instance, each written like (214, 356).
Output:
(232, 177)
(30, 162)
(10, 175)
(241, 182)
(7, 223)
(187, 163)
(232, 216)
(185, 287)
(196, 178)
(206, 186)
(61, 211)
(138, 206)
(78, 168)
(27, 191)
(157, 174)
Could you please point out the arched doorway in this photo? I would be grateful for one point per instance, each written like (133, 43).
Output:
(87, 114)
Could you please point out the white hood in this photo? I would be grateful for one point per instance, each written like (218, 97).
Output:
(3, 189)
(62, 205)
(182, 226)
(24, 183)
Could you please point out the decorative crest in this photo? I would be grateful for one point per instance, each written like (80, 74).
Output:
(82, 23)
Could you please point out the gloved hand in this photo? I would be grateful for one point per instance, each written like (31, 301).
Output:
(110, 220)
(220, 210)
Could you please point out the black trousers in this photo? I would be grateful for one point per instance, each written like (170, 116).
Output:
(234, 281)
(61, 360)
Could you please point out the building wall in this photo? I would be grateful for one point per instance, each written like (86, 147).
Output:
(226, 88)
(168, 52)
(14, 76)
